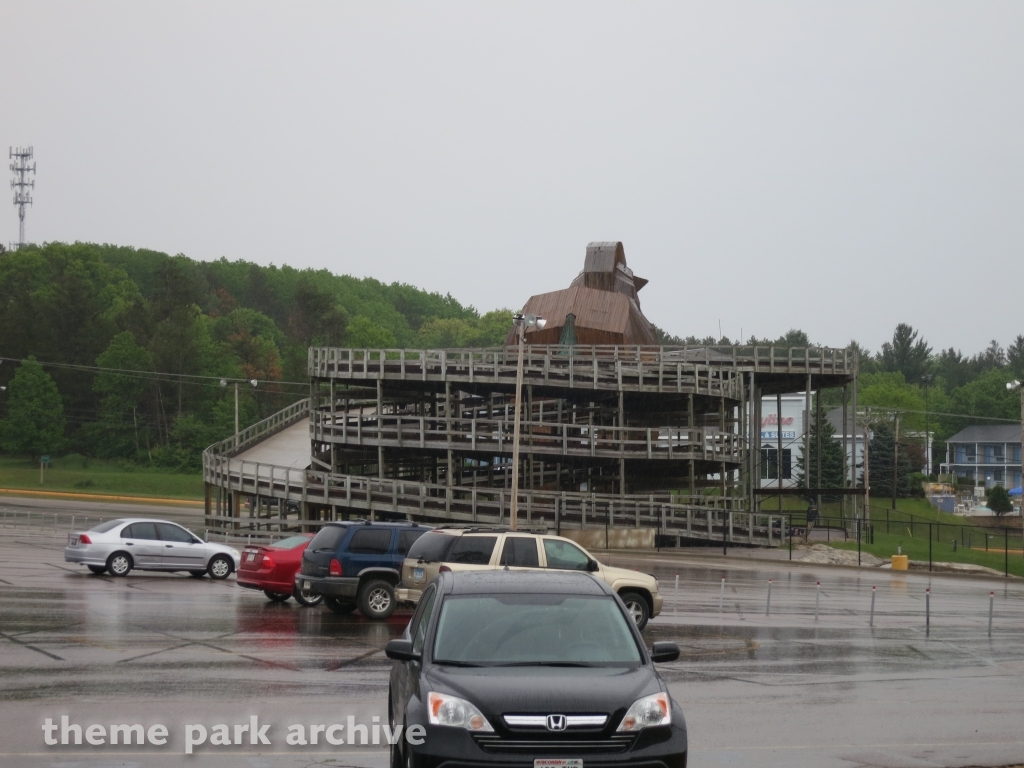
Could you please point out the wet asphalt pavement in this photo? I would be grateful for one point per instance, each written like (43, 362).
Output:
(758, 690)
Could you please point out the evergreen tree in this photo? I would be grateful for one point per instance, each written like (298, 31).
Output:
(999, 500)
(882, 448)
(35, 413)
(831, 458)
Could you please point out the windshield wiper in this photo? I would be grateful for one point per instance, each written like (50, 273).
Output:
(452, 663)
(545, 664)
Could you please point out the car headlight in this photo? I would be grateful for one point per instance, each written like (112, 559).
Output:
(451, 710)
(655, 709)
(236, 553)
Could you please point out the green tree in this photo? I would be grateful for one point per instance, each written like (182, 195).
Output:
(882, 450)
(999, 500)
(364, 333)
(906, 354)
(35, 412)
(121, 397)
(822, 434)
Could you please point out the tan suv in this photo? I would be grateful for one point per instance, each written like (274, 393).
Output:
(473, 549)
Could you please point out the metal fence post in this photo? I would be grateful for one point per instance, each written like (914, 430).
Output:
(929, 546)
(927, 611)
(871, 622)
(768, 606)
(817, 598)
(991, 602)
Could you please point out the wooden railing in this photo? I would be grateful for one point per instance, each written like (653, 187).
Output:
(564, 367)
(666, 512)
(700, 369)
(495, 436)
(260, 430)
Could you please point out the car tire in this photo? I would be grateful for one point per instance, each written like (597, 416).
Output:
(637, 606)
(219, 568)
(376, 599)
(277, 597)
(338, 607)
(197, 574)
(307, 600)
(119, 564)
(98, 569)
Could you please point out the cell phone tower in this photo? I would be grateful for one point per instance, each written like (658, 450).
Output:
(20, 169)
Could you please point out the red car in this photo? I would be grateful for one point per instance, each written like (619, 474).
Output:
(273, 568)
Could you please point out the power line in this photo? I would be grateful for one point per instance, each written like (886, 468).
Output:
(157, 375)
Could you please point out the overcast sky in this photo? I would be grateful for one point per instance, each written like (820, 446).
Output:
(836, 167)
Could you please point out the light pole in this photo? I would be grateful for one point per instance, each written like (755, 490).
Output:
(927, 379)
(224, 383)
(522, 323)
(1012, 385)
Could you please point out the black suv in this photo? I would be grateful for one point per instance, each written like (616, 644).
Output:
(357, 565)
(502, 667)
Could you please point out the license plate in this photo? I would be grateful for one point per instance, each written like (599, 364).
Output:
(251, 557)
(553, 763)
(74, 541)
(305, 585)
(417, 573)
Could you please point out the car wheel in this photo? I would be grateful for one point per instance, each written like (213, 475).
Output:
(307, 599)
(637, 607)
(376, 599)
(98, 568)
(119, 563)
(338, 607)
(197, 574)
(277, 597)
(219, 568)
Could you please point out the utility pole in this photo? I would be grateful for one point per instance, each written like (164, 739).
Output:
(21, 185)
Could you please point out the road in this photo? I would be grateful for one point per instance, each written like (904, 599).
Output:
(768, 690)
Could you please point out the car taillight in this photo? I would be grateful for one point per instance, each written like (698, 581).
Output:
(444, 569)
(268, 561)
(335, 568)
(84, 539)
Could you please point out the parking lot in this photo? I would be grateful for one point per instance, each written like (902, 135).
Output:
(782, 689)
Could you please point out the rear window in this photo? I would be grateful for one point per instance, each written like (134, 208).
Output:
(430, 547)
(407, 538)
(473, 550)
(328, 538)
(104, 527)
(370, 542)
(290, 543)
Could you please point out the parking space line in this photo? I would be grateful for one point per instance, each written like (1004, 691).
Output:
(16, 641)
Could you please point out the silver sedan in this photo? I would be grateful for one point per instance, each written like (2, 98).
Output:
(118, 546)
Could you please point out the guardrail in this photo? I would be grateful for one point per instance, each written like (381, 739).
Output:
(645, 368)
(427, 502)
(261, 429)
(562, 367)
(495, 436)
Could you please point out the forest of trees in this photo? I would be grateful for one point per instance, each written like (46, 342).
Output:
(179, 326)
(118, 353)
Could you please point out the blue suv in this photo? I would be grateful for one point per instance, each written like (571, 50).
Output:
(357, 565)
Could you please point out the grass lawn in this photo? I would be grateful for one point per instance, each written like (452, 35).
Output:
(100, 477)
(942, 551)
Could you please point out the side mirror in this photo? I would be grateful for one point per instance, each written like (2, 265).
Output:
(664, 651)
(593, 566)
(401, 650)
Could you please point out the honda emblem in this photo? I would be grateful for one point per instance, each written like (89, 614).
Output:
(556, 722)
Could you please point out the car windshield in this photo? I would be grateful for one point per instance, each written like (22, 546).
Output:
(534, 630)
(290, 543)
(104, 527)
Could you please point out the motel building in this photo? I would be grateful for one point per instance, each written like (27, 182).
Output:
(790, 422)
